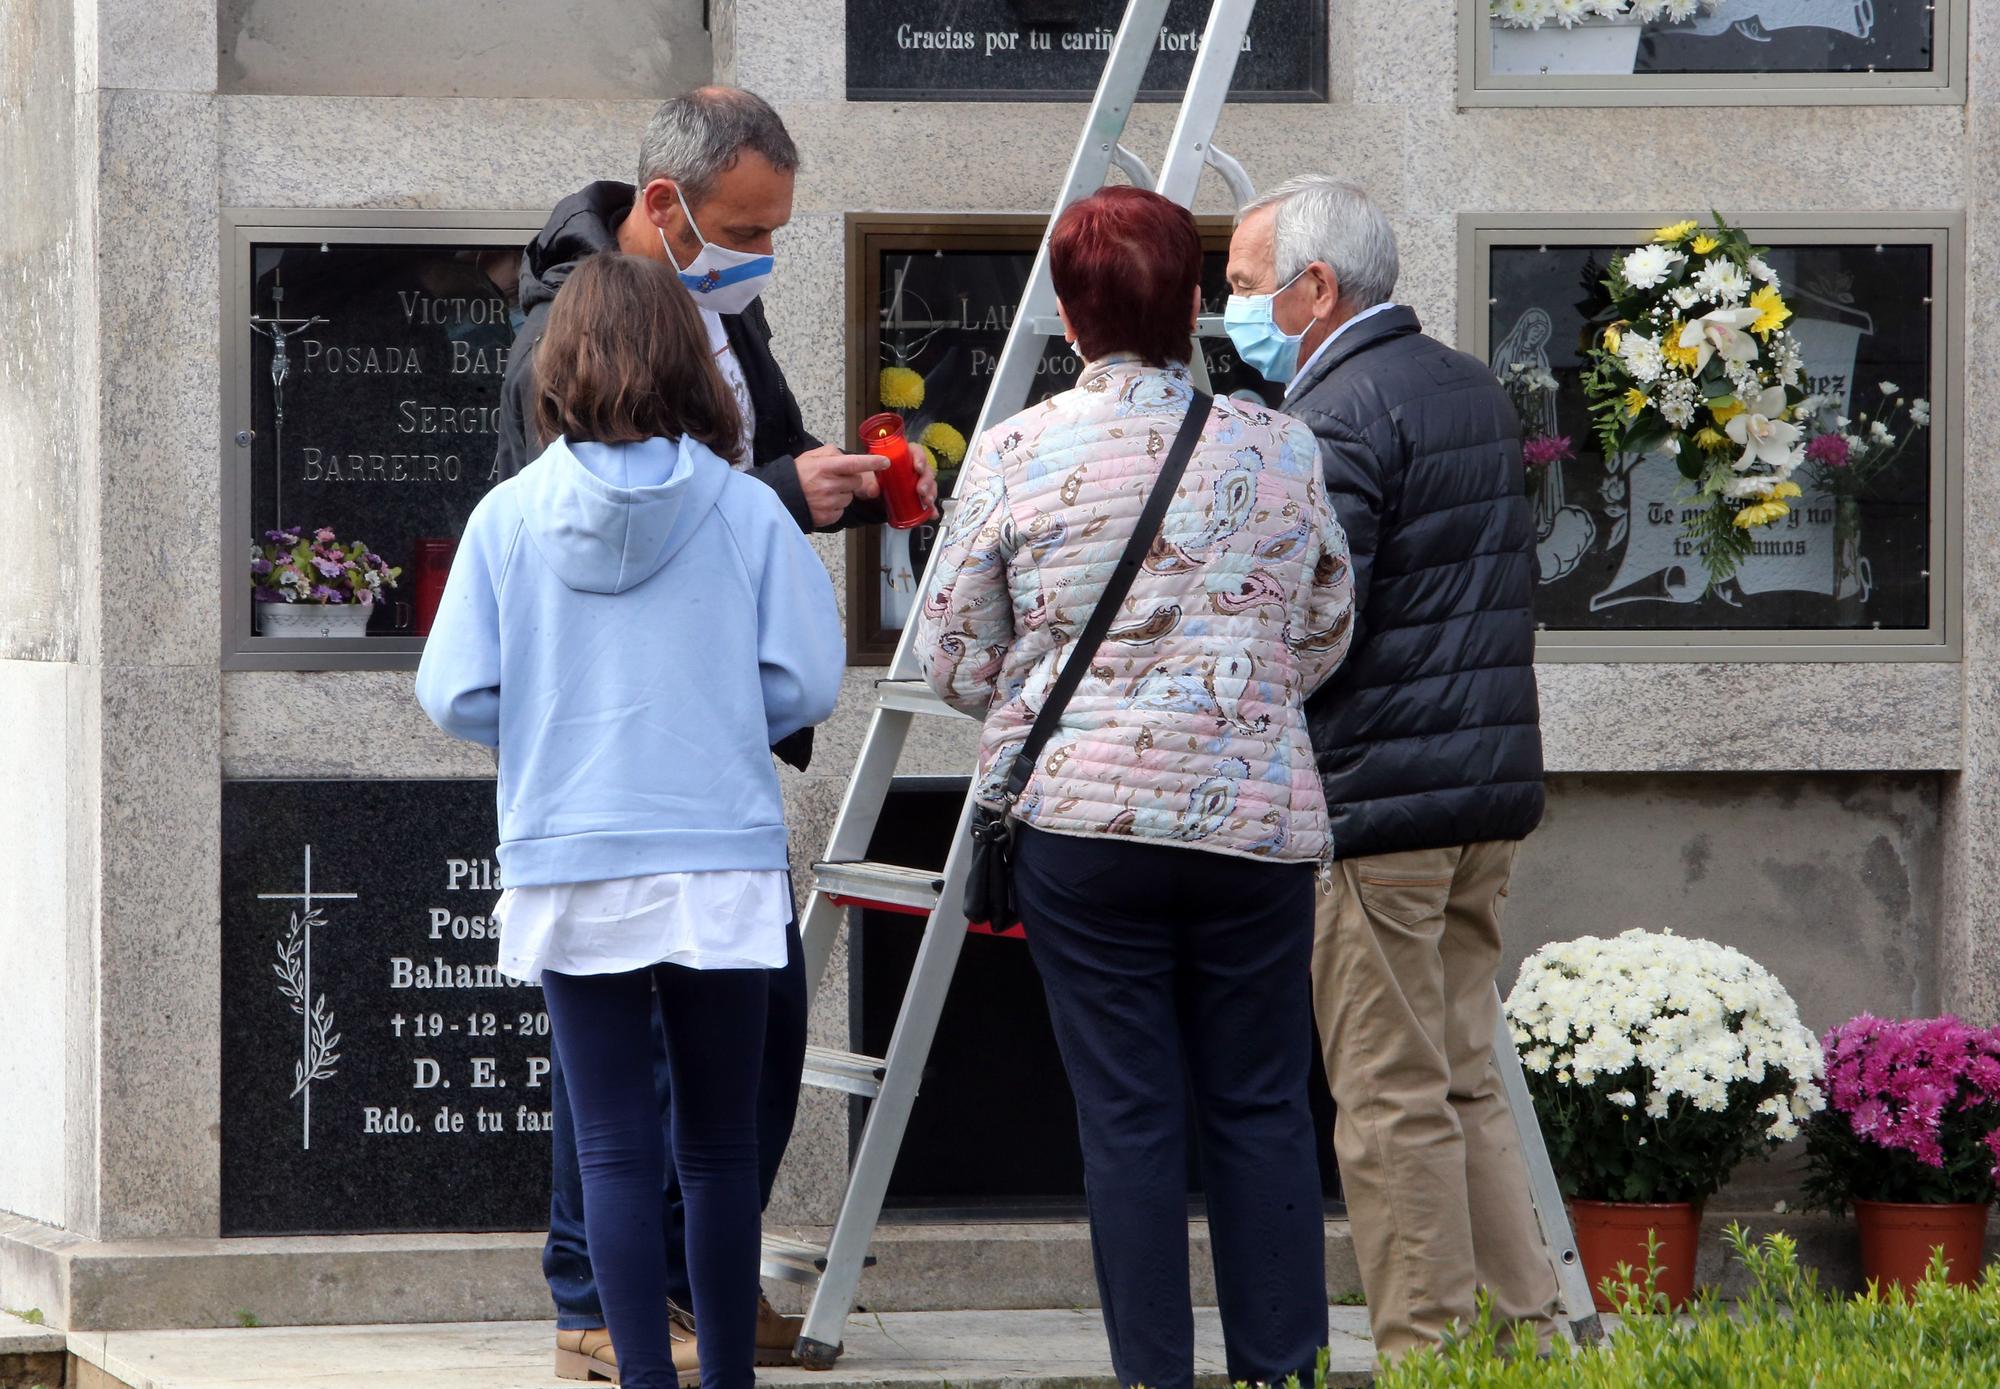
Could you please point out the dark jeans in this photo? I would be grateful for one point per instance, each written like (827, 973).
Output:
(714, 1024)
(566, 1256)
(1171, 971)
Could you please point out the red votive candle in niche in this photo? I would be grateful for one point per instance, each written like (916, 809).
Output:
(433, 566)
(882, 435)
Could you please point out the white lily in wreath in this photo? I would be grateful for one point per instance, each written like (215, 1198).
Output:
(1764, 435)
(1724, 333)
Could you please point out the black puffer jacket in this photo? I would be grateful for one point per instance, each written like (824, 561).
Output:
(1430, 734)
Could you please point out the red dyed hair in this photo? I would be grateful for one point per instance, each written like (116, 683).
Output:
(1126, 263)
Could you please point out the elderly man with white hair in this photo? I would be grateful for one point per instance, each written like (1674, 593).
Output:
(1428, 742)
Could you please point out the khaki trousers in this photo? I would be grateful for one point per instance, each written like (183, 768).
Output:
(1404, 958)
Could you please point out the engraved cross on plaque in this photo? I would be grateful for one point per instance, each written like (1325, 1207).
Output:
(294, 971)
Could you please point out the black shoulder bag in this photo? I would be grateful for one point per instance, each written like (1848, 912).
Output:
(989, 884)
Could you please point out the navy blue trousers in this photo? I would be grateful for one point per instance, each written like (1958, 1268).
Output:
(566, 1255)
(714, 1025)
(1172, 972)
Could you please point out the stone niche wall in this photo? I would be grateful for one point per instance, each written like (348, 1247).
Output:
(502, 48)
(1830, 881)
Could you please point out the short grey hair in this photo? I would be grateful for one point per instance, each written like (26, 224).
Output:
(697, 138)
(1321, 218)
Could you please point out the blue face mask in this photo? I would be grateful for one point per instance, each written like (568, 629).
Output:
(1259, 340)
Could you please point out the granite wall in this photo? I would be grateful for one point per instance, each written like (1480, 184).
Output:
(1875, 796)
(501, 48)
(44, 236)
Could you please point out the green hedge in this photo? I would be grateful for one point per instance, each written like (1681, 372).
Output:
(1786, 1332)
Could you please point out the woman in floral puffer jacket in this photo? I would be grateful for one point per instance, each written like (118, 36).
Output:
(1165, 858)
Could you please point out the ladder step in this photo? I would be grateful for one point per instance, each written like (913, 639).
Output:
(863, 884)
(912, 697)
(795, 1261)
(844, 1070)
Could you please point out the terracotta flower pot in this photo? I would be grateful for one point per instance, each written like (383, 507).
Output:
(1610, 1233)
(1897, 1239)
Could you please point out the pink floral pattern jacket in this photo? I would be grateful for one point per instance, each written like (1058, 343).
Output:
(1189, 726)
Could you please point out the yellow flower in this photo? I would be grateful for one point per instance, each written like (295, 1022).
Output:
(1784, 490)
(1705, 243)
(1772, 310)
(1611, 338)
(902, 389)
(1710, 440)
(1688, 359)
(1725, 409)
(1635, 401)
(1676, 232)
(946, 444)
(1761, 514)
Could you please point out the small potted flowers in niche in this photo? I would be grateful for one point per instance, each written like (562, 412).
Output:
(1910, 1140)
(1657, 1064)
(306, 583)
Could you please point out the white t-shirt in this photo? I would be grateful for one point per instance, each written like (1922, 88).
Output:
(732, 376)
(728, 919)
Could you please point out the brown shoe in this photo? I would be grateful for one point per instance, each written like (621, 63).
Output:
(687, 1358)
(586, 1355)
(589, 1354)
(777, 1335)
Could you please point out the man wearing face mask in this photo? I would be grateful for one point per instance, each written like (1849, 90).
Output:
(1428, 741)
(716, 169)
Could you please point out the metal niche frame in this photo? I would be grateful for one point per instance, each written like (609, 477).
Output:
(1944, 84)
(1479, 233)
(243, 230)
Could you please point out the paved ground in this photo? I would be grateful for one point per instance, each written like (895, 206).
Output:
(967, 1350)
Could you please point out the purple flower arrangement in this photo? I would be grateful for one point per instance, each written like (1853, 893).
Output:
(312, 566)
(1828, 450)
(1540, 450)
(1912, 1115)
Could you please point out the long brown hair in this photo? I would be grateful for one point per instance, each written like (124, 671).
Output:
(625, 357)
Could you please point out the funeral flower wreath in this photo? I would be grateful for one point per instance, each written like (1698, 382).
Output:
(1691, 359)
(1658, 1062)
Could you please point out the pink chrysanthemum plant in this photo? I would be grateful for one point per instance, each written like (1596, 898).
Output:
(1912, 1115)
(298, 565)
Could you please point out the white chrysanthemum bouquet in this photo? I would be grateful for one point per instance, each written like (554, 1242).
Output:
(1692, 358)
(1533, 14)
(1657, 1063)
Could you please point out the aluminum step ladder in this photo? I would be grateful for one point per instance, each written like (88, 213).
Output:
(845, 879)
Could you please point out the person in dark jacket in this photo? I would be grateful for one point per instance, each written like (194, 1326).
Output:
(716, 169)
(1429, 747)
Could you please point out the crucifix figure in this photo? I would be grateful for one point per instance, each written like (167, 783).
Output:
(294, 970)
(279, 330)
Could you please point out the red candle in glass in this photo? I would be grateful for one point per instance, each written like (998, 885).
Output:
(433, 567)
(882, 435)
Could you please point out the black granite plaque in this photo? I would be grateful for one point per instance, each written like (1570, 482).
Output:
(375, 385)
(1041, 50)
(378, 1074)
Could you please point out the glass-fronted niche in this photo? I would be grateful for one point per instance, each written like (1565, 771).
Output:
(931, 301)
(1864, 567)
(363, 359)
(1644, 52)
